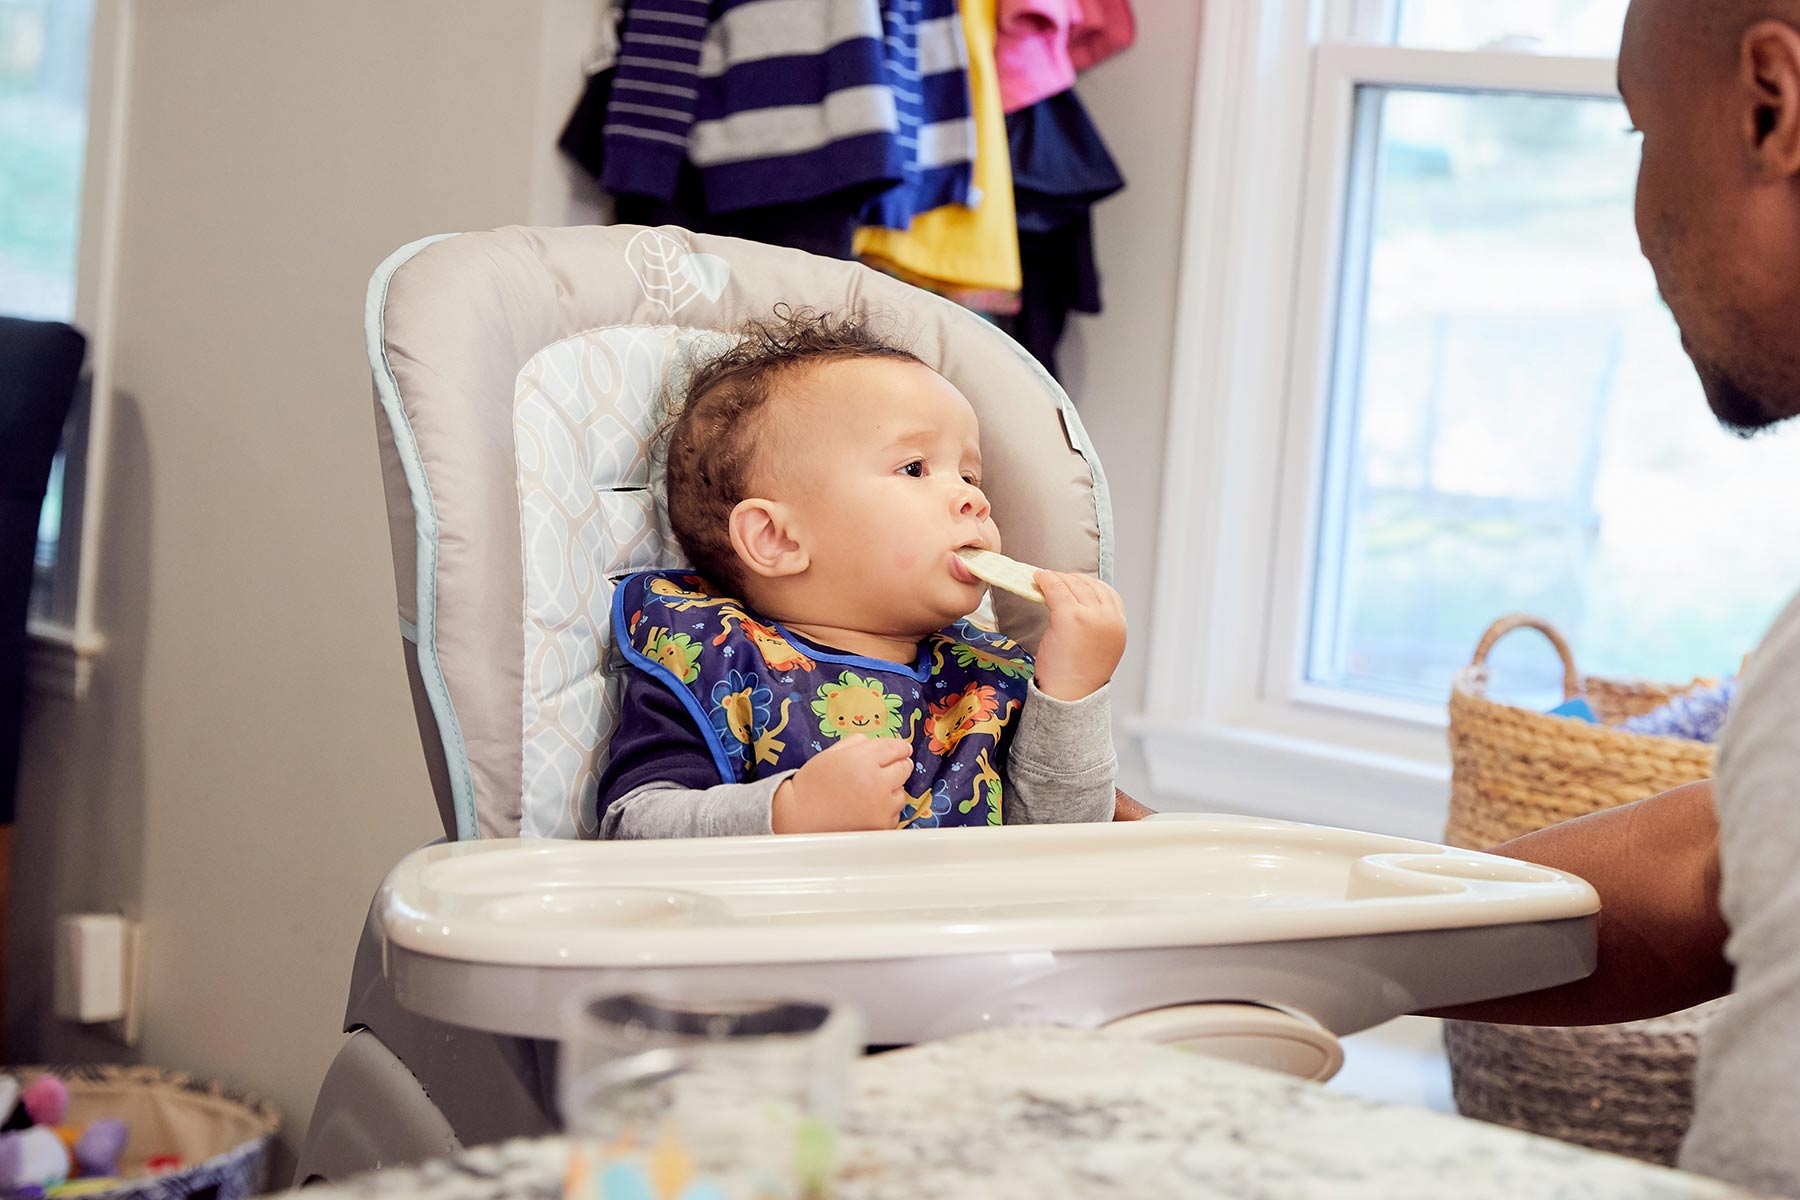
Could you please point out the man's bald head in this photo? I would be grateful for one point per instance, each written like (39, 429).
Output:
(1717, 24)
(1704, 33)
(1726, 20)
(1714, 86)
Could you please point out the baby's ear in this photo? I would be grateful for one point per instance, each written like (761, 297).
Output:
(766, 542)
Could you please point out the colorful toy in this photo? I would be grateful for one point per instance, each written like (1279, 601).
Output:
(46, 1099)
(32, 1158)
(98, 1148)
(83, 1187)
(39, 1156)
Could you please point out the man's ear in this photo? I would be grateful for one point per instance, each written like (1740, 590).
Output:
(1769, 72)
(766, 539)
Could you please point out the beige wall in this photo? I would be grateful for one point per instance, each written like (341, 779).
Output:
(1117, 365)
(246, 767)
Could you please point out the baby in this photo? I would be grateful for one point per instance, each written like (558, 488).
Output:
(813, 673)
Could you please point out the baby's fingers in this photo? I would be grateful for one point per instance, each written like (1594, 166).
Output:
(897, 804)
(888, 750)
(1090, 590)
(1056, 588)
(894, 774)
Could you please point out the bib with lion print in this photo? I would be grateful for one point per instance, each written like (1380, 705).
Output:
(767, 702)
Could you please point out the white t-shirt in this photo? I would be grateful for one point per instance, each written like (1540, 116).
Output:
(1747, 1105)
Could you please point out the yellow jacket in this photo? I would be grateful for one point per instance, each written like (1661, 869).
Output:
(955, 248)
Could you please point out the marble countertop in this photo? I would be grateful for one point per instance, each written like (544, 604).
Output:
(1084, 1116)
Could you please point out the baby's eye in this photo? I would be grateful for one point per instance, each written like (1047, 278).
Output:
(973, 481)
(915, 468)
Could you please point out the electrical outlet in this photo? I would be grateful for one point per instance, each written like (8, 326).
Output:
(99, 973)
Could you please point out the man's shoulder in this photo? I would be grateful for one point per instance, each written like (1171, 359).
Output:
(1758, 772)
(1771, 677)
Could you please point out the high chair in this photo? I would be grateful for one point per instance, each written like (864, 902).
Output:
(519, 375)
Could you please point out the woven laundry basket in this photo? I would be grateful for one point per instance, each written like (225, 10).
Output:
(1627, 1089)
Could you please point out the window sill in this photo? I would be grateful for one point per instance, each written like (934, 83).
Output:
(1232, 769)
(59, 660)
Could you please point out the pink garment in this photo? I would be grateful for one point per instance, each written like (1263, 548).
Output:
(1104, 28)
(1042, 43)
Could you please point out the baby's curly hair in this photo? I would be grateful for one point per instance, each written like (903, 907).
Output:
(713, 443)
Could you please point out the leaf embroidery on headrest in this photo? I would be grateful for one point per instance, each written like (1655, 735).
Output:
(671, 275)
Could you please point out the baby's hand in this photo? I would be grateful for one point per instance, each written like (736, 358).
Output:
(854, 785)
(1086, 638)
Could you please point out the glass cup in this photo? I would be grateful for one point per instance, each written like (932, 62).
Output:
(669, 1097)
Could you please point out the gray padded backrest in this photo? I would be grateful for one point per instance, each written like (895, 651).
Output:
(514, 374)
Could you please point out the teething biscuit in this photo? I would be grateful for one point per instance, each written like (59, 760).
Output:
(1002, 572)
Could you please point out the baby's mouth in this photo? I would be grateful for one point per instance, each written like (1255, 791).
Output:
(959, 570)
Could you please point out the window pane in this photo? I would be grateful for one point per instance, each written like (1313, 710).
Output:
(1589, 27)
(1515, 425)
(43, 132)
(49, 536)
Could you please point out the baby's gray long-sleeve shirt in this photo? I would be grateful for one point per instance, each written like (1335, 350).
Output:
(1059, 768)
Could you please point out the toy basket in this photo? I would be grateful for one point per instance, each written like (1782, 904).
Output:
(1627, 1089)
(220, 1135)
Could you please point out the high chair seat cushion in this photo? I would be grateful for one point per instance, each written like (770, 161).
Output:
(583, 416)
(520, 375)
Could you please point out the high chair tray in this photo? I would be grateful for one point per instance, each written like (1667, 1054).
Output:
(1071, 924)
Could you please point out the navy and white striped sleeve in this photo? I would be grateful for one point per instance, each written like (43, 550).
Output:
(655, 91)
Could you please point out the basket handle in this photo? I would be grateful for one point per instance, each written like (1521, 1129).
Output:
(1506, 624)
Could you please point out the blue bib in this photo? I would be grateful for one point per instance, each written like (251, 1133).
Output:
(767, 702)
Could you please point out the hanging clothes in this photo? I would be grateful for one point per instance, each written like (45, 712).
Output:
(769, 110)
(1100, 30)
(824, 225)
(1061, 169)
(583, 136)
(928, 64)
(969, 251)
(774, 102)
(1042, 44)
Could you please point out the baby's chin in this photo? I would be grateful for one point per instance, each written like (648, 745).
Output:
(920, 623)
(943, 617)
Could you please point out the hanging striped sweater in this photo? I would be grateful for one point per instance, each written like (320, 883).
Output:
(783, 101)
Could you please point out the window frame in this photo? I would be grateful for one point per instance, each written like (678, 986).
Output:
(63, 648)
(1258, 315)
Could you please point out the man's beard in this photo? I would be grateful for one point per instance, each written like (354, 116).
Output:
(1742, 411)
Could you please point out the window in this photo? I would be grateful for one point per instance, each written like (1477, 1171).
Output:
(61, 134)
(43, 141)
(1511, 422)
(1428, 347)
(43, 136)
(1579, 27)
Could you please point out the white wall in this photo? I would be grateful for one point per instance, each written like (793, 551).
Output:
(246, 767)
(1117, 364)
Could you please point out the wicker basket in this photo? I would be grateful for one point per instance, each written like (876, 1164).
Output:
(1627, 1089)
(222, 1135)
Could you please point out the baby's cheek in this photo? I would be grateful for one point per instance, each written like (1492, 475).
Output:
(905, 560)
